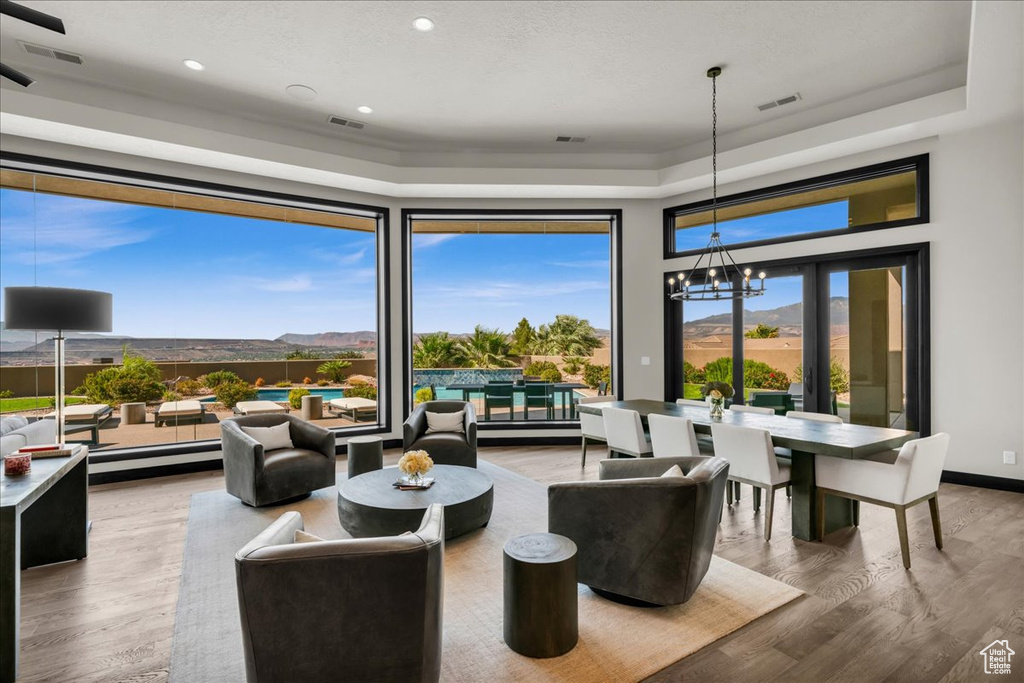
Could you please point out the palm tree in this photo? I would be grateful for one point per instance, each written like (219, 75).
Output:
(334, 369)
(436, 350)
(568, 335)
(486, 349)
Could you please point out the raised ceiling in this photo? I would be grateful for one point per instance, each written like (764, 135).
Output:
(502, 77)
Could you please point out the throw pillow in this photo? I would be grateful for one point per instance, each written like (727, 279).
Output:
(446, 422)
(272, 438)
(304, 537)
(674, 471)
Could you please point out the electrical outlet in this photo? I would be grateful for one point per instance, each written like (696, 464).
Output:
(1009, 458)
(645, 360)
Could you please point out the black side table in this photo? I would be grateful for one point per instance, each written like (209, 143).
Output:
(365, 454)
(541, 606)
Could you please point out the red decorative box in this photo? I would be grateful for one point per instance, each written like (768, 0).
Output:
(17, 464)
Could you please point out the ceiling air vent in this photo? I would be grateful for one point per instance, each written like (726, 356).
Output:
(789, 99)
(570, 138)
(349, 123)
(51, 53)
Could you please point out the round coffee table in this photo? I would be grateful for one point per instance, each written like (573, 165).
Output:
(369, 505)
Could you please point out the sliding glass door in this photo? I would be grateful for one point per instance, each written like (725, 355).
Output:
(845, 334)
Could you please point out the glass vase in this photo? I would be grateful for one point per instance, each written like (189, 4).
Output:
(717, 408)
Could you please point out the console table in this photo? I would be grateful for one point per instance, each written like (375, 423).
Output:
(43, 519)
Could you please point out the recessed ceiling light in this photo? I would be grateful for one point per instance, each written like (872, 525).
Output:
(422, 24)
(364, 109)
(302, 93)
(193, 64)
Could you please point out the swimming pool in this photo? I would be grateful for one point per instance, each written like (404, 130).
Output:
(456, 395)
(281, 395)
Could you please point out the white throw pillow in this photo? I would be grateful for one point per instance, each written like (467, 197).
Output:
(445, 422)
(305, 537)
(272, 438)
(674, 471)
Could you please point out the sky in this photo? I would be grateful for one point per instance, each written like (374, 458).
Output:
(460, 281)
(188, 274)
(184, 274)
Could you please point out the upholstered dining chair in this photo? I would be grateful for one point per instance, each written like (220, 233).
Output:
(672, 436)
(752, 461)
(816, 417)
(693, 403)
(365, 609)
(912, 479)
(592, 426)
(624, 432)
(659, 550)
(758, 410)
(264, 476)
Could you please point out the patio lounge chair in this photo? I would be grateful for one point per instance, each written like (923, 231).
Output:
(179, 413)
(84, 417)
(353, 408)
(258, 408)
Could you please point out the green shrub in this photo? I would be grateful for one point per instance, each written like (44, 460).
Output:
(572, 365)
(537, 368)
(283, 384)
(295, 397)
(171, 395)
(230, 393)
(692, 375)
(593, 375)
(6, 393)
(349, 354)
(551, 375)
(188, 387)
(334, 369)
(756, 375)
(136, 380)
(323, 382)
(423, 394)
(362, 391)
(217, 377)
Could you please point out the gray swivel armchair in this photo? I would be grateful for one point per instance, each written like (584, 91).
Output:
(258, 478)
(367, 609)
(642, 537)
(445, 448)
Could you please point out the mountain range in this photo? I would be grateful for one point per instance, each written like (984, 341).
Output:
(789, 320)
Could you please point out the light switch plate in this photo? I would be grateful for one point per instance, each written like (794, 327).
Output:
(1009, 458)
(645, 360)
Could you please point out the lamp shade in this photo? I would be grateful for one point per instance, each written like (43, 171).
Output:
(57, 308)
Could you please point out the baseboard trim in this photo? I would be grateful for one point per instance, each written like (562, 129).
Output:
(983, 481)
(528, 440)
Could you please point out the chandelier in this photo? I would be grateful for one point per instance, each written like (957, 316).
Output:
(723, 279)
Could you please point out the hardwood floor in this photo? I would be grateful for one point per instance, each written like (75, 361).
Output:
(864, 618)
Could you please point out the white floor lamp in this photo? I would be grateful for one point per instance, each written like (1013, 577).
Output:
(63, 310)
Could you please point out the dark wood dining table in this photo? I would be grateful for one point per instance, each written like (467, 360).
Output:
(804, 438)
(563, 389)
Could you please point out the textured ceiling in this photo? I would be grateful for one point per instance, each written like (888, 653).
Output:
(506, 76)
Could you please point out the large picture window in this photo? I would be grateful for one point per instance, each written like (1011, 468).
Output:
(516, 313)
(882, 196)
(222, 298)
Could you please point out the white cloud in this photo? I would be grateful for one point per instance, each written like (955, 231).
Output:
(603, 264)
(295, 283)
(430, 239)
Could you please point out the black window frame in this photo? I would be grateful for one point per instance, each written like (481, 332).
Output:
(615, 241)
(917, 163)
(27, 163)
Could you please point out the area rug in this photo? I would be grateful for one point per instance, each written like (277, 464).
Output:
(616, 642)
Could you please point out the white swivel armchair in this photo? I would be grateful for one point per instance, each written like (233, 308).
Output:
(625, 433)
(912, 479)
(672, 436)
(751, 461)
(592, 426)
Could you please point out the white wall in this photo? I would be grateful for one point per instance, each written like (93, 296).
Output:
(976, 234)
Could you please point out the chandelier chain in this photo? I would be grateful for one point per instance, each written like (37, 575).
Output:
(714, 152)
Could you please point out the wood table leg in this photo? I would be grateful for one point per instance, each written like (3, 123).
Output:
(838, 511)
(10, 593)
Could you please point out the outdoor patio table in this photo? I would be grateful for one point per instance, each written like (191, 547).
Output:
(804, 437)
(563, 389)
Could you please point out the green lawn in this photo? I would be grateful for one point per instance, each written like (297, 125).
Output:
(14, 405)
(693, 391)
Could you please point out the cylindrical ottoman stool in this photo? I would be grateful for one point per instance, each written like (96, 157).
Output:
(312, 407)
(540, 595)
(365, 454)
(133, 413)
